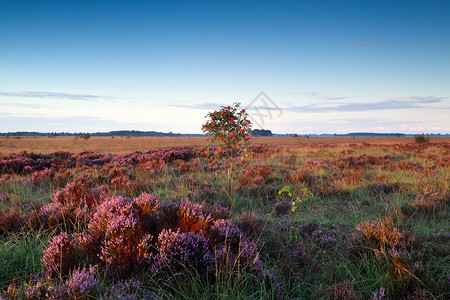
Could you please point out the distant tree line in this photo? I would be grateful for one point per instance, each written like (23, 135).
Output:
(110, 133)
(261, 132)
(255, 132)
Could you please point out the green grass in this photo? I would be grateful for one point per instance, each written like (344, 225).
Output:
(20, 255)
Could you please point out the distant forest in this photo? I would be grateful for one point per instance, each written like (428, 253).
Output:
(255, 132)
(110, 133)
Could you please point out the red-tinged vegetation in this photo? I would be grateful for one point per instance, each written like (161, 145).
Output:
(126, 235)
(95, 208)
(382, 233)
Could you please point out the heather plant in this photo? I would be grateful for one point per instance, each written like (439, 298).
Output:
(227, 129)
(126, 235)
(323, 238)
(81, 284)
(178, 251)
(249, 223)
(71, 206)
(115, 226)
(59, 256)
(191, 216)
(39, 177)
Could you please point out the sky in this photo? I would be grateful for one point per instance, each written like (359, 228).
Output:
(306, 67)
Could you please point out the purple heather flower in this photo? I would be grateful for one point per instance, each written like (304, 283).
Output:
(3, 197)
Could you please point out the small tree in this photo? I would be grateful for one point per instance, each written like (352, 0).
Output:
(85, 136)
(421, 138)
(229, 130)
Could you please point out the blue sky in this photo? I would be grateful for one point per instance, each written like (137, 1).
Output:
(331, 66)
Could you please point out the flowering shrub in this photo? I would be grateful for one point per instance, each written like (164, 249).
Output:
(82, 284)
(225, 232)
(59, 255)
(35, 290)
(227, 128)
(147, 204)
(126, 235)
(322, 237)
(125, 184)
(191, 216)
(115, 225)
(72, 206)
(40, 177)
(179, 251)
(233, 252)
(236, 262)
(248, 222)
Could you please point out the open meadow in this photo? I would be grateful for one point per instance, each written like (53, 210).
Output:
(123, 145)
(149, 218)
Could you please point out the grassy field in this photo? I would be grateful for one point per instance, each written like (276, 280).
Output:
(307, 218)
(120, 145)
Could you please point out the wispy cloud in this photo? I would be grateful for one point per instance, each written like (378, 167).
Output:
(425, 99)
(309, 94)
(22, 105)
(335, 98)
(411, 102)
(206, 105)
(51, 95)
(367, 43)
(317, 95)
(402, 103)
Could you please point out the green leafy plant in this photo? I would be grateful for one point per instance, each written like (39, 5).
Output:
(228, 129)
(297, 202)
